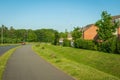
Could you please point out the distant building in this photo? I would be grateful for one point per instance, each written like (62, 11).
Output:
(61, 41)
(69, 37)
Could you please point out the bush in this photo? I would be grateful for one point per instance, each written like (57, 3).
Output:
(66, 43)
(85, 44)
(108, 46)
(118, 47)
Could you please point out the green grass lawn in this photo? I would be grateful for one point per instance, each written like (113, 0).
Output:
(3, 60)
(82, 64)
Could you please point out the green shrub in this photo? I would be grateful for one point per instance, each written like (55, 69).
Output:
(118, 47)
(66, 43)
(108, 46)
(85, 44)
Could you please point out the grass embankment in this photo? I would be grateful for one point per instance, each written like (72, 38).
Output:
(82, 64)
(3, 60)
(4, 44)
(8, 44)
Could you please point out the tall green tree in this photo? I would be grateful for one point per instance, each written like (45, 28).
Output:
(63, 34)
(56, 38)
(3, 34)
(106, 26)
(45, 35)
(12, 35)
(76, 33)
(31, 36)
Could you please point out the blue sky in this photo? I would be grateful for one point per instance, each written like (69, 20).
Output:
(56, 14)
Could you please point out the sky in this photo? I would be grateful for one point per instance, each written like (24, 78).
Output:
(55, 14)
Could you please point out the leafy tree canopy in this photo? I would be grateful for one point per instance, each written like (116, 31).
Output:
(106, 26)
(76, 33)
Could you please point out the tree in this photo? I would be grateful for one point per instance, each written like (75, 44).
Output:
(106, 27)
(63, 34)
(31, 36)
(12, 35)
(56, 39)
(4, 34)
(45, 35)
(76, 33)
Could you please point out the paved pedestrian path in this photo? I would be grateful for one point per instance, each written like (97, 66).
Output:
(24, 64)
(3, 49)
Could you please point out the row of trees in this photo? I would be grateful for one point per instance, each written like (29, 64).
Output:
(12, 35)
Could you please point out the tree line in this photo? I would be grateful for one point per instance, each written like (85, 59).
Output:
(12, 35)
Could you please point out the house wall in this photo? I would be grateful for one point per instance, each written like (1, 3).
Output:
(90, 33)
(69, 36)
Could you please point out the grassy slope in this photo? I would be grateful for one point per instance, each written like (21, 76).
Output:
(108, 63)
(82, 64)
(3, 60)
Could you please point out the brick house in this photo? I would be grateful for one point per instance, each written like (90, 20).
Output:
(89, 32)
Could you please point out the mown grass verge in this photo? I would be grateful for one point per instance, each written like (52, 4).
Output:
(3, 60)
(81, 64)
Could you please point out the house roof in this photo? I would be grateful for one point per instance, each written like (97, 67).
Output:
(86, 27)
(115, 17)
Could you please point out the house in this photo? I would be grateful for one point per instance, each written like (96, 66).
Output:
(89, 32)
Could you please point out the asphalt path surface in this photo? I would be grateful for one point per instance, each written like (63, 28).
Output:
(24, 64)
(3, 49)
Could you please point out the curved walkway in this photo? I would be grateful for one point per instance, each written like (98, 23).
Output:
(3, 49)
(24, 64)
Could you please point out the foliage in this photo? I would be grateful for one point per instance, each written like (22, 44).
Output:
(109, 46)
(31, 36)
(76, 33)
(56, 38)
(118, 47)
(45, 35)
(66, 42)
(85, 44)
(63, 34)
(11, 35)
(106, 27)
(82, 64)
(21, 35)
